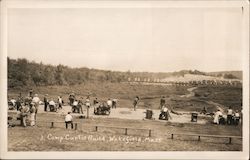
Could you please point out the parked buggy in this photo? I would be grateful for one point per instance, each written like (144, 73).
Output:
(53, 106)
(102, 110)
(164, 115)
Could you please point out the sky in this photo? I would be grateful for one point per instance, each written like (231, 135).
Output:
(122, 39)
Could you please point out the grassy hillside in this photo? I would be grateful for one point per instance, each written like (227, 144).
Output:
(227, 96)
(237, 74)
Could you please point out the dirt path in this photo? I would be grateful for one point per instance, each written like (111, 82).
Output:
(217, 105)
(191, 93)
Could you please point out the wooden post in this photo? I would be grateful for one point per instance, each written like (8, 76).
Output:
(52, 124)
(149, 133)
(126, 131)
(96, 128)
(230, 140)
(199, 138)
(172, 136)
(75, 126)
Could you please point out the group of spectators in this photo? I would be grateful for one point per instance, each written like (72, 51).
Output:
(231, 118)
(52, 104)
(28, 113)
(77, 104)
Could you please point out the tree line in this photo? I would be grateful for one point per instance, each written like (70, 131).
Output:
(22, 72)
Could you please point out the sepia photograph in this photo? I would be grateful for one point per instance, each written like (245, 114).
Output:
(125, 79)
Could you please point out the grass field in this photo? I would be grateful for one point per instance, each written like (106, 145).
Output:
(44, 138)
(29, 139)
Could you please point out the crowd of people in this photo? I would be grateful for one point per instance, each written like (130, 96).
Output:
(28, 107)
(29, 112)
(231, 118)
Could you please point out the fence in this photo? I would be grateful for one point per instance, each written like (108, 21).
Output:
(206, 135)
(97, 127)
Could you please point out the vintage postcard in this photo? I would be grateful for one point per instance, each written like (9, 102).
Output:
(124, 79)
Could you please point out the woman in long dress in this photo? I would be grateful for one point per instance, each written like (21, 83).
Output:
(217, 116)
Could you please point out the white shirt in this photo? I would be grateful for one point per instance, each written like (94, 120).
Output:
(13, 101)
(165, 109)
(52, 103)
(237, 115)
(75, 103)
(59, 100)
(218, 113)
(229, 112)
(109, 102)
(36, 100)
(68, 118)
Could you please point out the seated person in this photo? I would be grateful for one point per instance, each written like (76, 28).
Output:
(109, 103)
(52, 106)
(164, 113)
(74, 106)
(69, 120)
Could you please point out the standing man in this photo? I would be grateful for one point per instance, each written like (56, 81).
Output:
(114, 102)
(45, 101)
(60, 101)
(162, 102)
(24, 114)
(31, 93)
(87, 103)
(136, 101)
(236, 117)
(18, 103)
(71, 98)
(36, 101)
(229, 116)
